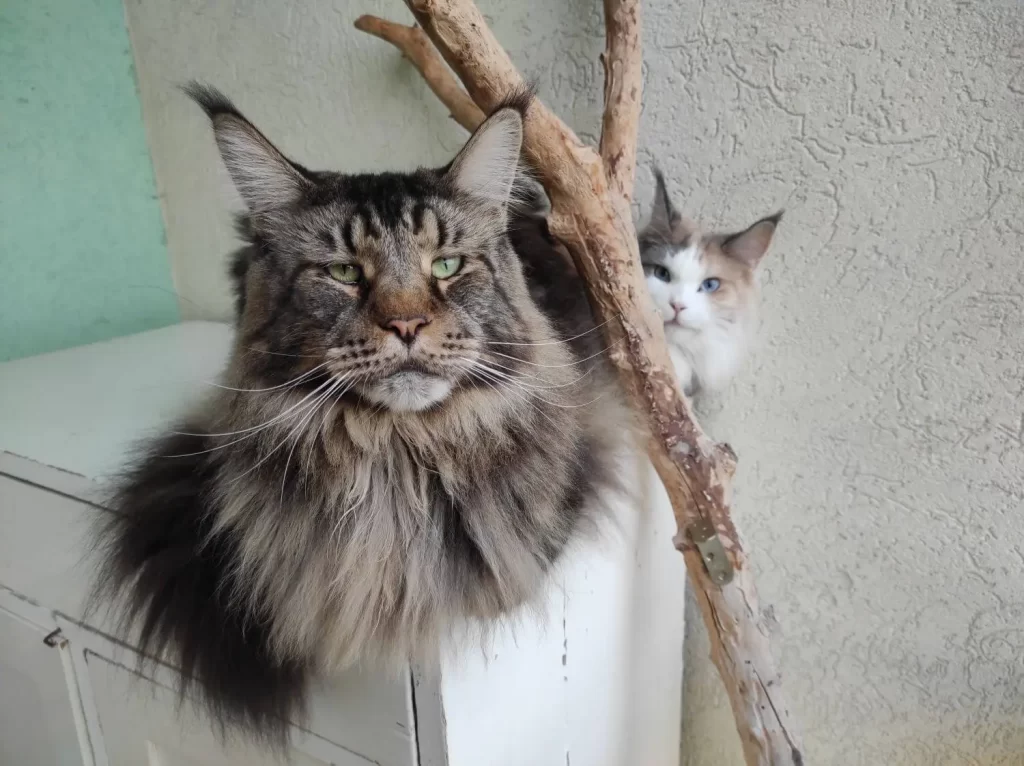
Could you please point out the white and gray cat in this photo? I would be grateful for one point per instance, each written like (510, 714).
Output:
(706, 289)
(704, 285)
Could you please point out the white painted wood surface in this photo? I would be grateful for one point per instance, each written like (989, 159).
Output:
(595, 680)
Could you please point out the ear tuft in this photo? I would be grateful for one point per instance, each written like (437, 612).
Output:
(487, 165)
(209, 99)
(666, 225)
(264, 177)
(750, 245)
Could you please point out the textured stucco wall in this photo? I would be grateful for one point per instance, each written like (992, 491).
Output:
(82, 252)
(880, 424)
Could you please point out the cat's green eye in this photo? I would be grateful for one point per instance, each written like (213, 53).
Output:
(346, 273)
(444, 268)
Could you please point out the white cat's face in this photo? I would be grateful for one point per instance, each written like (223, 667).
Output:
(705, 289)
(682, 285)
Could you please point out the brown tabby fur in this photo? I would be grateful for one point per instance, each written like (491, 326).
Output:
(351, 495)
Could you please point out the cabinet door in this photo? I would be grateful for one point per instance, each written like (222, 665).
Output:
(143, 726)
(37, 725)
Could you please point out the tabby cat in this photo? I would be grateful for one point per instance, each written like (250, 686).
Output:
(415, 421)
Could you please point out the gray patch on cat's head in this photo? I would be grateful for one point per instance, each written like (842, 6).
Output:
(665, 226)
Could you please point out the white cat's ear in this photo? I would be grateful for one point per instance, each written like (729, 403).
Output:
(666, 224)
(663, 214)
(487, 165)
(750, 245)
(264, 177)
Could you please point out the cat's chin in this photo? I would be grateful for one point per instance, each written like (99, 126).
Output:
(408, 391)
(681, 329)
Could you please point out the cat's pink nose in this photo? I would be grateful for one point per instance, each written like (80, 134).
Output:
(407, 328)
(677, 307)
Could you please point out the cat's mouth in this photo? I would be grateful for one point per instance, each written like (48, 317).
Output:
(409, 389)
(680, 323)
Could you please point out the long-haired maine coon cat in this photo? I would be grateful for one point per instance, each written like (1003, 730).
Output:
(416, 418)
(705, 287)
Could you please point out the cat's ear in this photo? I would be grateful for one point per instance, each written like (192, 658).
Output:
(665, 224)
(663, 214)
(487, 165)
(264, 177)
(750, 245)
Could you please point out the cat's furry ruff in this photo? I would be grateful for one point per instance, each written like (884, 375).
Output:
(354, 493)
(708, 330)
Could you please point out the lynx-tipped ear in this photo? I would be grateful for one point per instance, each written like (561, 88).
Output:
(265, 178)
(487, 165)
(666, 224)
(750, 245)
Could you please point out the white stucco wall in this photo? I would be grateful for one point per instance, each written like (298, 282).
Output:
(881, 425)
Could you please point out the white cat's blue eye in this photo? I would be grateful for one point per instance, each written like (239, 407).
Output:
(710, 285)
(657, 271)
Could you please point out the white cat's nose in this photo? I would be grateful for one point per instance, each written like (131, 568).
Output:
(677, 307)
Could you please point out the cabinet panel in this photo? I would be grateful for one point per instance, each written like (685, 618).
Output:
(142, 724)
(37, 725)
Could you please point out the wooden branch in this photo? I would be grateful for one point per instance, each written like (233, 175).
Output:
(415, 46)
(588, 191)
(623, 84)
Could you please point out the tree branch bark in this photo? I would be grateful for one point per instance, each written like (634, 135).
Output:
(590, 194)
(623, 84)
(416, 47)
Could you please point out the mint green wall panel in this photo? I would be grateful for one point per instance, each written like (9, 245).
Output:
(82, 247)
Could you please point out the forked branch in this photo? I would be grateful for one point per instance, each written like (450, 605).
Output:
(415, 46)
(590, 193)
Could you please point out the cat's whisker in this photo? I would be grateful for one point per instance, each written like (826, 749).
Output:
(553, 342)
(530, 390)
(281, 353)
(273, 420)
(249, 435)
(290, 384)
(301, 418)
(556, 366)
(297, 438)
(500, 386)
(519, 373)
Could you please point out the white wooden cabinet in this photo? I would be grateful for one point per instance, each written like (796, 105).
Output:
(596, 681)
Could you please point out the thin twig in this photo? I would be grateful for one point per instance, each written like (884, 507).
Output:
(415, 46)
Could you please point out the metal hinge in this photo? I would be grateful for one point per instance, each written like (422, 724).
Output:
(55, 638)
(709, 545)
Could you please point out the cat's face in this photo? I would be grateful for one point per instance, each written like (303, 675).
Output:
(386, 286)
(700, 282)
(695, 286)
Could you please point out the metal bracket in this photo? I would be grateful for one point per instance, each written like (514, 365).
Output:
(55, 638)
(709, 545)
